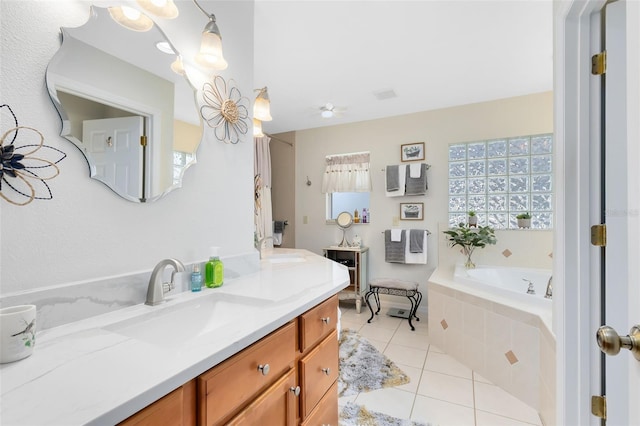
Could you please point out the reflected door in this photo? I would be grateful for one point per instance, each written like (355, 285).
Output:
(114, 144)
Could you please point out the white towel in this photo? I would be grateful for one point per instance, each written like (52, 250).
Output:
(420, 258)
(415, 170)
(402, 180)
(396, 235)
(277, 238)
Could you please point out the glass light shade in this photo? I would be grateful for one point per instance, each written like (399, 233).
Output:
(257, 128)
(262, 106)
(177, 66)
(210, 55)
(131, 18)
(162, 8)
(327, 113)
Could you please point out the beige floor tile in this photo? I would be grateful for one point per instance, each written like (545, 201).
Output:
(384, 321)
(494, 399)
(378, 344)
(390, 401)
(446, 364)
(488, 419)
(405, 355)
(409, 338)
(446, 388)
(434, 348)
(351, 325)
(414, 374)
(441, 413)
(378, 333)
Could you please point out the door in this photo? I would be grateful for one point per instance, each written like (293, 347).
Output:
(114, 145)
(620, 297)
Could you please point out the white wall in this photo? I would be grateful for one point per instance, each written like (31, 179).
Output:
(87, 232)
(523, 115)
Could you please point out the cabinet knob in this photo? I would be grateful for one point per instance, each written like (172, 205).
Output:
(326, 320)
(326, 371)
(264, 369)
(295, 391)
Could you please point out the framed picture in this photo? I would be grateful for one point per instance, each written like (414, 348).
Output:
(411, 211)
(412, 151)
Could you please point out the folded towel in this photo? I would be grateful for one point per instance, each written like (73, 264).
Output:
(394, 252)
(417, 186)
(415, 170)
(277, 238)
(401, 181)
(396, 235)
(393, 178)
(416, 240)
(416, 258)
(278, 226)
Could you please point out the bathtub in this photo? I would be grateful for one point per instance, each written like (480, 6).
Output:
(505, 284)
(484, 318)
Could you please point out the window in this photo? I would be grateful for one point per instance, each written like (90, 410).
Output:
(347, 183)
(500, 179)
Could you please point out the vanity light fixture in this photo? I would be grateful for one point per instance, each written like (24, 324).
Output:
(177, 66)
(162, 8)
(210, 55)
(257, 128)
(262, 105)
(131, 18)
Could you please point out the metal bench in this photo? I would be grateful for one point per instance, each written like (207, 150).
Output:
(394, 287)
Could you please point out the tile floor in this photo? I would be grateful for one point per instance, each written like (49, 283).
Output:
(442, 391)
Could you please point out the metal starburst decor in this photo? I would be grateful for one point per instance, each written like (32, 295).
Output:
(224, 110)
(22, 173)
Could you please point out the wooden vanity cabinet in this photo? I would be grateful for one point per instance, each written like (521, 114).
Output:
(176, 408)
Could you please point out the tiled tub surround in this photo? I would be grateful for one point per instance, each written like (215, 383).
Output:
(85, 373)
(508, 342)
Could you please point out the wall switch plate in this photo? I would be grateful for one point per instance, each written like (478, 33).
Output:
(305, 219)
(396, 221)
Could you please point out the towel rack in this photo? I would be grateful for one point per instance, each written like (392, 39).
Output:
(428, 167)
(428, 232)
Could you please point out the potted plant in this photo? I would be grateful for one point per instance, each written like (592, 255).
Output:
(468, 238)
(473, 219)
(524, 220)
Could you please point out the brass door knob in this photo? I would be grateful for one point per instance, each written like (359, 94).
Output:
(610, 342)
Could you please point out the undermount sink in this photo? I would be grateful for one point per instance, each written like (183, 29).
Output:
(171, 325)
(285, 258)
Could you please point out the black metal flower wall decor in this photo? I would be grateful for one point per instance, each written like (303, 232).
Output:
(24, 170)
(224, 110)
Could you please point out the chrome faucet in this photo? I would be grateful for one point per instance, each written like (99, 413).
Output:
(531, 289)
(549, 292)
(260, 241)
(157, 289)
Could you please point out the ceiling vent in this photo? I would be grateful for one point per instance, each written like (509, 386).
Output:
(385, 94)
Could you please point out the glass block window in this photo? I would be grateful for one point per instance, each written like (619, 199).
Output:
(500, 179)
(180, 160)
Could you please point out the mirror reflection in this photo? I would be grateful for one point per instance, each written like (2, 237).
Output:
(133, 117)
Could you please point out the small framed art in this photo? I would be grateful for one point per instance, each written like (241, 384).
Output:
(411, 211)
(412, 151)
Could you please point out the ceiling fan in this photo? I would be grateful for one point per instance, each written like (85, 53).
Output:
(329, 110)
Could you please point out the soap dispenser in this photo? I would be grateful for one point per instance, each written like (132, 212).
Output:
(214, 269)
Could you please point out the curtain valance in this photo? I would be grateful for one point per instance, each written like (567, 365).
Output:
(347, 173)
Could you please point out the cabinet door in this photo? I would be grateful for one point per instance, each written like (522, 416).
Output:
(176, 408)
(318, 372)
(274, 407)
(326, 412)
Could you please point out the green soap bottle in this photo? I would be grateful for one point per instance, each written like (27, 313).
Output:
(214, 270)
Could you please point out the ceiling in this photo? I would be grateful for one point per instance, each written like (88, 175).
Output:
(431, 54)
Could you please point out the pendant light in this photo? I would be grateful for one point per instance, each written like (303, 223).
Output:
(210, 55)
(162, 8)
(262, 105)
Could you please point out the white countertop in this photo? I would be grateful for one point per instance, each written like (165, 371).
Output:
(83, 373)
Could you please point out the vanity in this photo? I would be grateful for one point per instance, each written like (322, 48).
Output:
(263, 346)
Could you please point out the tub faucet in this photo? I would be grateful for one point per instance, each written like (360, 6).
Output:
(549, 292)
(530, 289)
(260, 242)
(157, 289)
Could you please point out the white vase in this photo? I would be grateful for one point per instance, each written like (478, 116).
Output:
(524, 223)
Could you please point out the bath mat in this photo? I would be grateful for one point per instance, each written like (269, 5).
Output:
(363, 368)
(357, 415)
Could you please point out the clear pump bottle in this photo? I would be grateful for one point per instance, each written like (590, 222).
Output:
(196, 278)
(214, 269)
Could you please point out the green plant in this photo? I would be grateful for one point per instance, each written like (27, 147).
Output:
(469, 238)
(525, 215)
(471, 213)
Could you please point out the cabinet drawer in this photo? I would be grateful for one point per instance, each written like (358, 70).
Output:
(318, 322)
(326, 413)
(318, 372)
(275, 406)
(225, 388)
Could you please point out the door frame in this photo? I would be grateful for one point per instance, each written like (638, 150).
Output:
(576, 262)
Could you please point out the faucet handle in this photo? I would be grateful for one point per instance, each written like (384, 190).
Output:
(166, 287)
